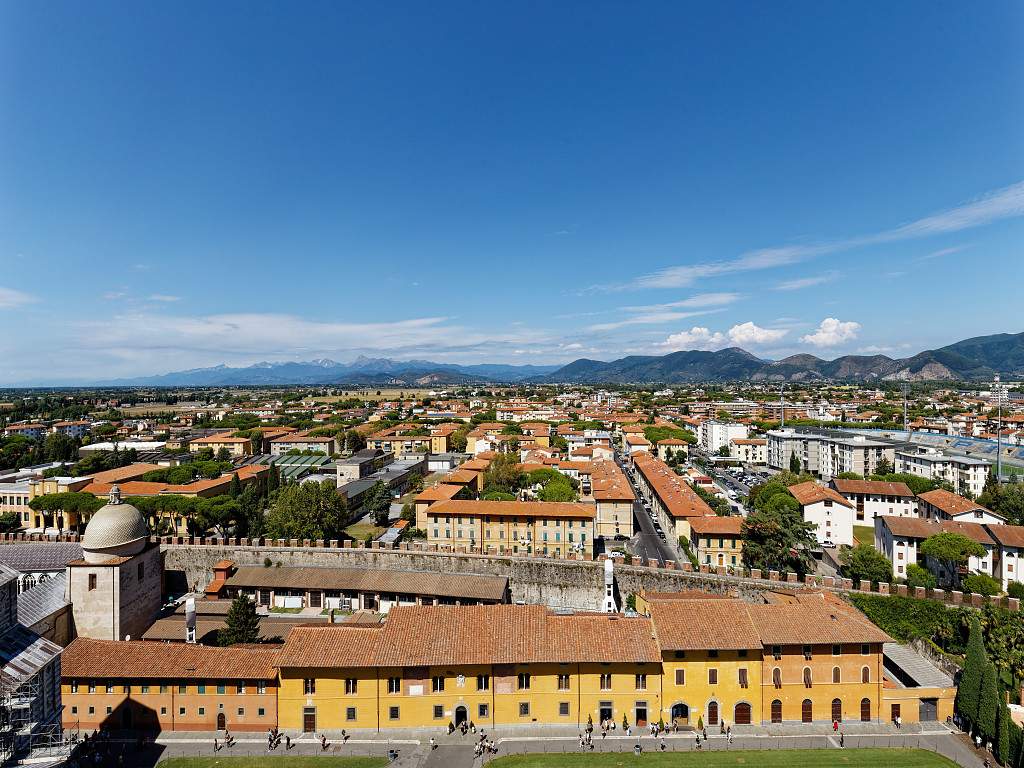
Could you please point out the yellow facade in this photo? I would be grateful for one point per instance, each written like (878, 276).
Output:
(716, 550)
(526, 534)
(486, 695)
(615, 518)
(705, 687)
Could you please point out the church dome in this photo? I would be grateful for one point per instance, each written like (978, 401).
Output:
(116, 530)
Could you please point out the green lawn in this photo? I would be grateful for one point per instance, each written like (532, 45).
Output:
(274, 762)
(864, 534)
(359, 531)
(778, 758)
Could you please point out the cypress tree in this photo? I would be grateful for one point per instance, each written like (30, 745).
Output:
(242, 623)
(969, 690)
(274, 482)
(988, 702)
(235, 486)
(1003, 731)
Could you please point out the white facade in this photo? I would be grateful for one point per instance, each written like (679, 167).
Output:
(899, 550)
(749, 451)
(784, 443)
(963, 473)
(855, 454)
(715, 434)
(834, 521)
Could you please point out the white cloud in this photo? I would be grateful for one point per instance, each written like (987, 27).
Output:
(163, 297)
(941, 252)
(806, 282)
(682, 276)
(698, 300)
(1004, 203)
(649, 318)
(754, 335)
(695, 338)
(875, 349)
(742, 334)
(10, 298)
(832, 332)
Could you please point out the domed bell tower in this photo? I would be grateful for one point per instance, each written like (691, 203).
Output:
(115, 589)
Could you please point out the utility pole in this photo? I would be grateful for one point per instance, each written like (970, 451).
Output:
(998, 387)
(905, 386)
(782, 406)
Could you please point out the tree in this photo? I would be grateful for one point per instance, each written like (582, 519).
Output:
(308, 511)
(988, 702)
(777, 538)
(982, 584)
(242, 623)
(884, 467)
(919, 576)
(975, 661)
(1003, 723)
(724, 451)
(866, 563)
(68, 503)
(235, 486)
(794, 463)
(503, 474)
(10, 522)
(951, 549)
(274, 478)
(377, 502)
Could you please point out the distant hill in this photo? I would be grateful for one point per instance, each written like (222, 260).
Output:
(978, 358)
(971, 359)
(363, 371)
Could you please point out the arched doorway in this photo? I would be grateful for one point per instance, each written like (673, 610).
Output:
(837, 710)
(460, 715)
(680, 714)
(807, 711)
(712, 713)
(222, 722)
(865, 710)
(741, 715)
(776, 711)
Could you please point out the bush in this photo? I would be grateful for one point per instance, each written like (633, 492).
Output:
(1016, 589)
(982, 584)
(919, 576)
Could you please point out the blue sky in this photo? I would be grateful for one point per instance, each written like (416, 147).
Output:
(185, 184)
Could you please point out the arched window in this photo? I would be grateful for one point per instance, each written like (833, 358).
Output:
(776, 711)
(865, 709)
(807, 711)
(865, 674)
(807, 677)
(777, 677)
(836, 675)
(741, 715)
(712, 713)
(837, 710)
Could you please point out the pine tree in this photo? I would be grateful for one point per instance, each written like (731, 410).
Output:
(988, 702)
(235, 486)
(1003, 724)
(969, 690)
(243, 625)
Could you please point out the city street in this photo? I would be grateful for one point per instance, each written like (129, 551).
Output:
(646, 543)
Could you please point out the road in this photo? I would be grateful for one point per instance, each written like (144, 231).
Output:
(646, 543)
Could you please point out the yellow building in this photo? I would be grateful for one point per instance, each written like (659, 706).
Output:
(530, 527)
(717, 541)
(235, 446)
(493, 665)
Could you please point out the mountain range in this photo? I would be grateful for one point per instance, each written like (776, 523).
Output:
(978, 358)
(972, 359)
(363, 371)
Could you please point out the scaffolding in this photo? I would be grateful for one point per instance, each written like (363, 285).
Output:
(30, 720)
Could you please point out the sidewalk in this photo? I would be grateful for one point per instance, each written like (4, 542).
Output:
(412, 750)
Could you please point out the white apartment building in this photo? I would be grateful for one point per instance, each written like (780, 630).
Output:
(899, 539)
(715, 434)
(749, 450)
(784, 443)
(965, 474)
(853, 454)
(871, 498)
(831, 513)
(1009, 553)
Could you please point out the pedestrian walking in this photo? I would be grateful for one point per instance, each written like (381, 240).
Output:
(287, 743)
(842, 740)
